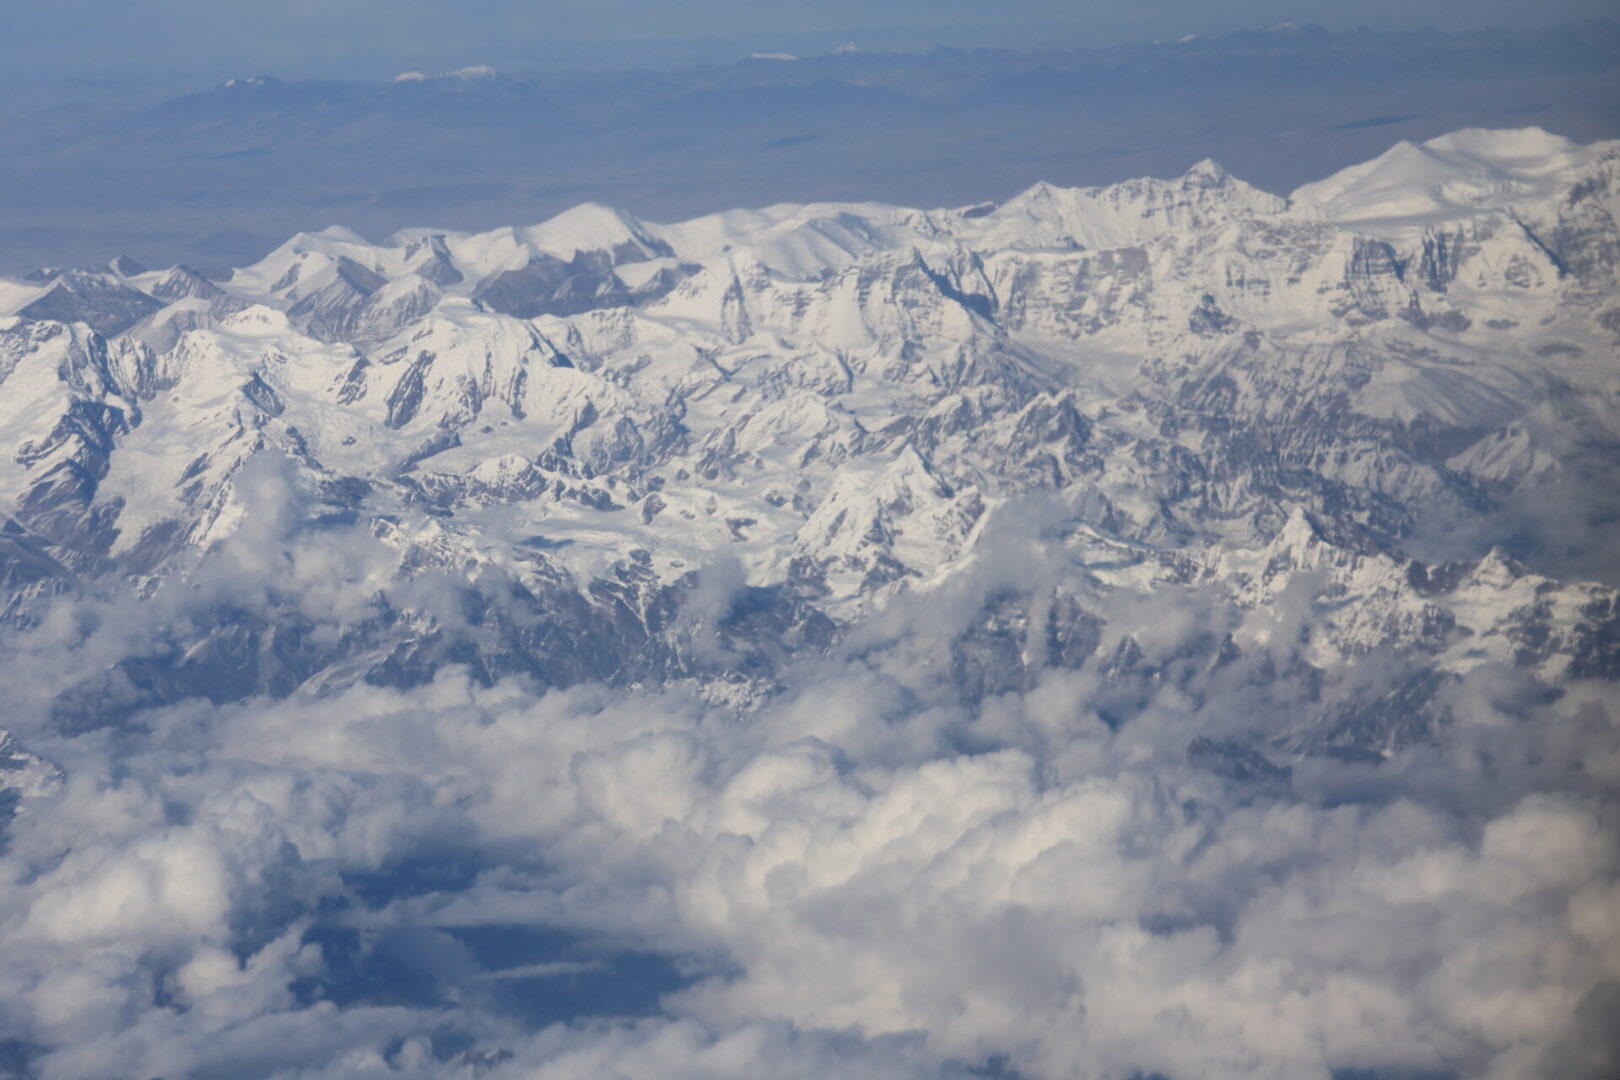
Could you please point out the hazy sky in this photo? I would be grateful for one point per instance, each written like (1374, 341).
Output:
(374, 38)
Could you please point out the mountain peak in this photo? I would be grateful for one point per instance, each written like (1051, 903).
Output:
(1412, 186)
(1532, 144)
(340, 233)
(592, 227)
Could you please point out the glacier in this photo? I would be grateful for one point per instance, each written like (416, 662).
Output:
(1164, 629)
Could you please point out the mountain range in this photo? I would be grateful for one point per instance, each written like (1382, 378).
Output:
(1157, 629)
(214, 176)
(1396, 382)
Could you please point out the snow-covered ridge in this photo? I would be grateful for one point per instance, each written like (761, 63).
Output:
(841, 398)
(1412, 186)
(1065, 608)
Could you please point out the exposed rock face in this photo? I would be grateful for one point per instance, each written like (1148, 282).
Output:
(1203, 387)
(101, 301)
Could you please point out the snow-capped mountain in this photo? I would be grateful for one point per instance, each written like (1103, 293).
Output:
(1167, 629)
(1203, 386)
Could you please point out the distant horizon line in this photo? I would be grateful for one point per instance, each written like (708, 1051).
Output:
(754, 49)
(343, 233)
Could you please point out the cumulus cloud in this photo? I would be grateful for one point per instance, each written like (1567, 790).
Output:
(867, 875)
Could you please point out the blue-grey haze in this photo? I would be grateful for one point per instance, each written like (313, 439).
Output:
(215, 176)
(383, 688)
(372, 38)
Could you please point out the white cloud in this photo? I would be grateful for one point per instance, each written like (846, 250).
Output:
(864, 877)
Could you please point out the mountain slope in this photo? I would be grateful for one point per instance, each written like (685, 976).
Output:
(838, 398)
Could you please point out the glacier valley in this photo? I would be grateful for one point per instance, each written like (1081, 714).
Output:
(1158, 630)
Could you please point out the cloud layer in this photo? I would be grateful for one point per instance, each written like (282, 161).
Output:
(863, 877)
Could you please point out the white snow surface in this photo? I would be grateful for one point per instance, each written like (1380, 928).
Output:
(1004, 510)
(856, 384)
